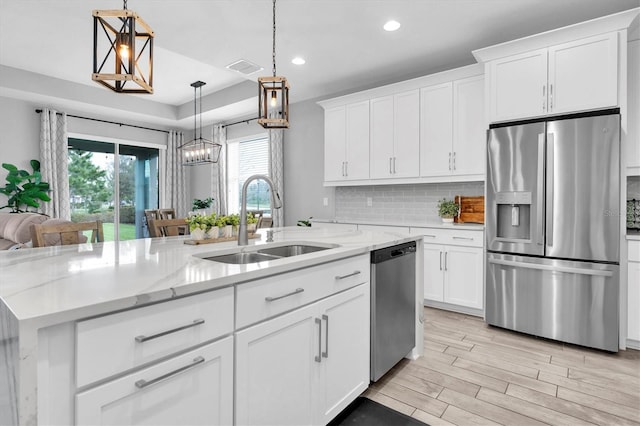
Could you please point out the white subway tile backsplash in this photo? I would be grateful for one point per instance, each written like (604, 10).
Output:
(399, 203)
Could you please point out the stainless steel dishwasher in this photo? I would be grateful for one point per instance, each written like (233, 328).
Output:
(393, 306)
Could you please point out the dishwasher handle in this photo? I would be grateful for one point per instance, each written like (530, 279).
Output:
(389, 253)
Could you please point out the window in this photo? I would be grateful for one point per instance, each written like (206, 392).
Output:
(246, 158)
(94, 177)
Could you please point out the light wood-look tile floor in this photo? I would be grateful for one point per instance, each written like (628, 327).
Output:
(472, 373)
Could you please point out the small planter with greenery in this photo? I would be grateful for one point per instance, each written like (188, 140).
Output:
(252, 222)
(447, 210)
(201, 205)
(24, 188)
(200, 225)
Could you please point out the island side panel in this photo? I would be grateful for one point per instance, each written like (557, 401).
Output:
(9, 363)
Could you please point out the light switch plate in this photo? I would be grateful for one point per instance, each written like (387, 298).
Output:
(325, 201)
(369, 202)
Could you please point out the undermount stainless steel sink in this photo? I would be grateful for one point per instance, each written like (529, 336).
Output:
(292, 250)
(242, 258)
(265, 253)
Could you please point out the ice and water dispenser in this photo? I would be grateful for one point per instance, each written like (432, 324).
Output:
(513, 215)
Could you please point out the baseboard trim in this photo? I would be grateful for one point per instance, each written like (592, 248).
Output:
(454, 308)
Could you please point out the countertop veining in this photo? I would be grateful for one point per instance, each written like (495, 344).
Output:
(57, 284)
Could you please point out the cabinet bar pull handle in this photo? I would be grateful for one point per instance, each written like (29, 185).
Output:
(441, 261)
(141, 384)
(142, 338)
(429, 235)
(326, 337)
(390, 169)
(449, 161)
(454, 161)
(296, 291)
(463, 238)
(551, 97)
(446, 267)
(341, 277)
(394, 165)
(318, 357)
(544, 97)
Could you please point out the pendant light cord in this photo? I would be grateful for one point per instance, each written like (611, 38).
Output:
(125, 4)
(195, 112)
(274, 38)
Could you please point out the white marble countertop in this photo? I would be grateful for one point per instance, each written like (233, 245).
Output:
(470, 226)
(57, 284)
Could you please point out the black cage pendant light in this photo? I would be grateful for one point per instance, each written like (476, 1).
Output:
(122, 51)
(199, 150)
(273, 96)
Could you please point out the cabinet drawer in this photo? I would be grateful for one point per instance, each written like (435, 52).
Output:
(281, 293)
(458, 237)
(634, 251)
(195, 388)
(115, 343)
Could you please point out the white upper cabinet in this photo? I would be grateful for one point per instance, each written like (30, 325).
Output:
(346, 142)
(633, 117)
(584, 74)
(518, 86)
(569, 77)
(452, 129)
(469, 131)
(335, 134)
(436, 129)
(395, 136)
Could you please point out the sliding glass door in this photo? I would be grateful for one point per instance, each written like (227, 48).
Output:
(96, 169)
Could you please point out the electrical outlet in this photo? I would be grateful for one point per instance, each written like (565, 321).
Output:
(325, 201)
(369, 202)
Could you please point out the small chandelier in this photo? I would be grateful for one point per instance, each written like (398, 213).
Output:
(273, 94)
(129, 52)
(199, 150)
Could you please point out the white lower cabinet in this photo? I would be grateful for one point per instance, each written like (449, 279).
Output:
(453, 266)
(195, 388)
(304, 367)
(633, 293)
(453, 275)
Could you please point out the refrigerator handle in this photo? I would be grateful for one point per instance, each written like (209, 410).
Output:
(552, 268)
(549, 201)
(540, 192)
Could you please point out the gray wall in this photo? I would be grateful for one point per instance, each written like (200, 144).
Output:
(303, 162)
(304, 165)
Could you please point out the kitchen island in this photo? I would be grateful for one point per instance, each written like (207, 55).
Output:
(56, 300)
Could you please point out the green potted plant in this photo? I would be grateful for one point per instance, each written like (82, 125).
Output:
(201, 205)
(447, 210)
(233, 220)
(220, 224)
(198, 226)
(252, 222)
(24, 188)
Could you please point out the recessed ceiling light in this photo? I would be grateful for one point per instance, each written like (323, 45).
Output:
(391, 25)
(298, 60)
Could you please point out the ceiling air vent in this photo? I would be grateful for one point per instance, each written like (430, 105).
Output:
(244, 67)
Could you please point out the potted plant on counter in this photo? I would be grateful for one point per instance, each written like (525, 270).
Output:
(447, 210)
(200, 226)
(252, 223)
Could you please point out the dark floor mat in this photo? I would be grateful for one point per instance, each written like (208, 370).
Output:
(364, 411)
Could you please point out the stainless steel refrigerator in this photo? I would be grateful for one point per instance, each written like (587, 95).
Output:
(552, 228)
